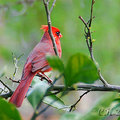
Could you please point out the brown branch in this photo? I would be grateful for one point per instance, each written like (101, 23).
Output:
(5, 86)
(84, 87)
(90, 44)
(6, 95)
(52, 6)
(48, 13)
(74, 105)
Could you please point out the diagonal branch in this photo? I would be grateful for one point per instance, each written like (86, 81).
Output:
(52, 6)
(5, 86)
(74, 105)
(48, 12)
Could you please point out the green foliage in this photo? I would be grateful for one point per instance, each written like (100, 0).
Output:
(98, 112)
(8, 111)
(38, 91)
(5, 53)
(114, 111)
(20, 33)
(79, 69)
(2, 72)
(55, 102)
(56, 63)
(70, 116)
(118, 118)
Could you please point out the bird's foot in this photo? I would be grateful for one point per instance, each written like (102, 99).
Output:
(43, 76)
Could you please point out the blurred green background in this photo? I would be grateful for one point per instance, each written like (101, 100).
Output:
(20, 24)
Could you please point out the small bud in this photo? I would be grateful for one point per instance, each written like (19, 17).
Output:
(75, 87)
(88, 37)
(14, 58)
(93, 40)
(36, 112)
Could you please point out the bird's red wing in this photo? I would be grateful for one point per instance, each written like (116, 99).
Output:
(40, 51)
(38, 63)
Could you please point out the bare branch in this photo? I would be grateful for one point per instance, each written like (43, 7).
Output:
(15, 81)
(85, 87)
(6, 86)
(6, 95)
(90, 43)
(74, 105)
(48, 12)
(52, 6)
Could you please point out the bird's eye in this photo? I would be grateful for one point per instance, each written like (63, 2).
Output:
(58, 33)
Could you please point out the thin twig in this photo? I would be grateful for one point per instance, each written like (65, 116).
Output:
(15, 81)
(74, 105)
(6, 95)
(90, 43)
(5, 86)
(48, 12)
(52, 6)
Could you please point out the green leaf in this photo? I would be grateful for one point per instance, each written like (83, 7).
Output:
(80, 69)
(8, 111)
(118, 118)
(56, 63)
(37, 92)
(114, 111)
(101, 109)
(55, 102)
(70, 116)
(98, 112)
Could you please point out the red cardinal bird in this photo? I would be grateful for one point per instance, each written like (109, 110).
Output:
(36, 62)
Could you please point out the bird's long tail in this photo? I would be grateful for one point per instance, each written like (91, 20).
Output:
(19, 94)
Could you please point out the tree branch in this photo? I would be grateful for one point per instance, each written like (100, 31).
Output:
(89, 42)
(6, 95)
(52, 6)
(48, 12)
(84, 87)
(5, 86)
(74, 105)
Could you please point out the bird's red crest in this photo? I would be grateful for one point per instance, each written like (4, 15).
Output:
(44, 27)
(54, 30)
